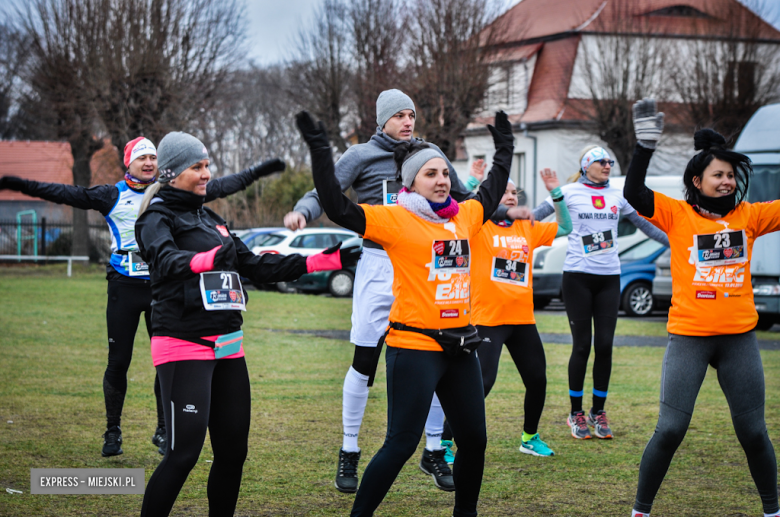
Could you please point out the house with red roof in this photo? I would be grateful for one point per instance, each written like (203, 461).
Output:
(50, 162)
(539, 52)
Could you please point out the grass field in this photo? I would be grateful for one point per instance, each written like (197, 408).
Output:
(52, 339)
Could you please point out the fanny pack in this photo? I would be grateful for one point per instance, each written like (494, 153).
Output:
(225, 345)
(454, 342)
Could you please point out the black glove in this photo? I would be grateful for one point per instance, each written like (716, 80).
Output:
(220, 257)
(267, 167)
(502, 132)
(11, 183)
(350, 256)
(314, 134)
(648, 125)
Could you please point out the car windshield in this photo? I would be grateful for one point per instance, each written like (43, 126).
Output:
(270, 239)
(642, 250)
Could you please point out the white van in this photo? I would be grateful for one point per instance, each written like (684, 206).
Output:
(760, 141)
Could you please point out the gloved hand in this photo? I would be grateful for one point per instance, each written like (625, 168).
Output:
(267, 167)
(314, 134)
(648, 125)
(502, 131)
(11, 183)
(332, 259)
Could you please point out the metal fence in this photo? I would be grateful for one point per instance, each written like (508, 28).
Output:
(44, 238)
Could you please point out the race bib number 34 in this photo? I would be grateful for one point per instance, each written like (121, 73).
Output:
(721, 249)
(598, 243)
(222, 291)
(451, 256)
(510, 272)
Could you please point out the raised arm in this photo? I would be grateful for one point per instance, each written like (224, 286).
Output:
(340, 209)
(550, 180)
(493, 188)
(101, 198)
(223, 187)
(648, 126)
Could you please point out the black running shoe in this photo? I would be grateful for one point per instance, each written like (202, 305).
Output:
(160, 440)
(346, 476)
(434, 464)
(112, 442)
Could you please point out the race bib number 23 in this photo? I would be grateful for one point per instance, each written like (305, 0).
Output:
(721, 249)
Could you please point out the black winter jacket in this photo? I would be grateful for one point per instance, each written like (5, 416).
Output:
(169, 234)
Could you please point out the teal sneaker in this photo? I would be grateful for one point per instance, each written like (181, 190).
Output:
(448, 456)
(536, 447)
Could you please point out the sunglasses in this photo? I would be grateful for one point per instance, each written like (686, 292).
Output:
(605, 162)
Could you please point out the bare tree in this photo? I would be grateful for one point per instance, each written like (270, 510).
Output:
(164, 63)
(617, 64)
(14, 55)
(253, 120)
(722, 78)
(121, 68)
(377, 43)
(320, 68)
(448, 45)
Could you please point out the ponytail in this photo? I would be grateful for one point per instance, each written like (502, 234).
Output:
(149, 194)
(576, 176)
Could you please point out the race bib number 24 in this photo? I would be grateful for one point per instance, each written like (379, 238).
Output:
(451, 256)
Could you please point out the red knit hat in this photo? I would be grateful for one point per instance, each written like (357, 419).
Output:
(139, 147)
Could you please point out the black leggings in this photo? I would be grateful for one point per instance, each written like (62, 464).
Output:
(591, 299)
(741, 377)
(412, 378)
(188, 390)
(525, 347)
(127, 299)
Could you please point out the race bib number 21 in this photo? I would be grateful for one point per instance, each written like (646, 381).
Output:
(222, 291)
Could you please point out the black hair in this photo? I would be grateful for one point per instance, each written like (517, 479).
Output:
(712, 144)
(404, 150)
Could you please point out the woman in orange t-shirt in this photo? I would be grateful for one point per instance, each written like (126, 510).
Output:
(426, 237)
(503, 306)
(711, 234)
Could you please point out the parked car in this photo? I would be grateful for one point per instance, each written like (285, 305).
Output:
(254, 237)
(637, 270)
(662, 282)
(338, 283)
(308, 242)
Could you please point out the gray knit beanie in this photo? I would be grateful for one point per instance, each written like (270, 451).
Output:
(389, 103)
(415, 162)
(177, 152)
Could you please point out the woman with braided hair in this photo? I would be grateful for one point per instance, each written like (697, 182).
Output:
(711, 322)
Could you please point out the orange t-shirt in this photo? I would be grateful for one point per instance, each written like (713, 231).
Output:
(431, 264)
(501, 282)
(711, 288)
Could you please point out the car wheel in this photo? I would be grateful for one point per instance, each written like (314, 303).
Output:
(285, 287)
(638, 299)
(340, 284)
(765, 321)
(540, 302)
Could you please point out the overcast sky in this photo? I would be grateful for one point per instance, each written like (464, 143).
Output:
(273, 24)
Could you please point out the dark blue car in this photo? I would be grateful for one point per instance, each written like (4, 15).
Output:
(637, 270)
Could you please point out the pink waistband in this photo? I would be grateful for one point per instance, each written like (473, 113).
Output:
(168, 349)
